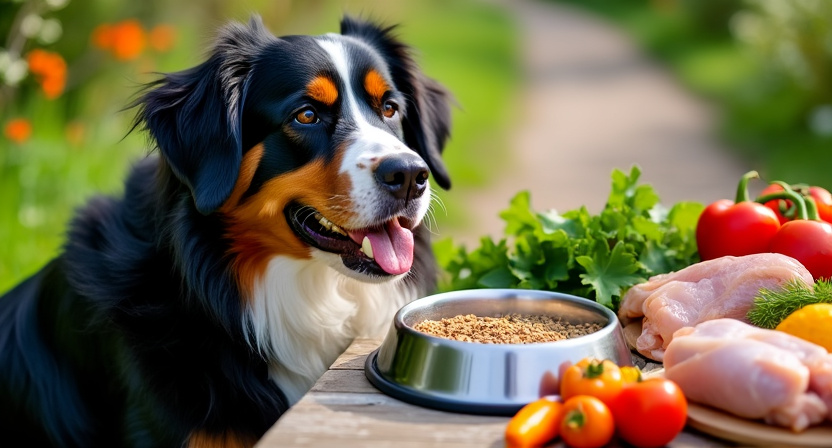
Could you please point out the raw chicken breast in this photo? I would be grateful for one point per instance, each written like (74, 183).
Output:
(752, 372)
(713, 289)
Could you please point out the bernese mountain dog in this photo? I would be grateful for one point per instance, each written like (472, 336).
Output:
(282, 216)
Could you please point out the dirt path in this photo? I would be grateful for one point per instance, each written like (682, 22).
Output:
(591, 102)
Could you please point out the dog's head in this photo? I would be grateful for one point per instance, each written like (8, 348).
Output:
(306, 146)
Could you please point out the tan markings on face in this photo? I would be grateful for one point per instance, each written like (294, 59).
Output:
(226, 440)
(247, 169)
(322, 89)
(257, 226)
(376, 87)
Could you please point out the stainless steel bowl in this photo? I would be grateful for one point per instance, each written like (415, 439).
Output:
(492, 379)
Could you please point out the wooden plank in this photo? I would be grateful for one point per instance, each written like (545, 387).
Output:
(355, 355)
(376, 421)
(343, 409)
(359, 420)
(345, 381)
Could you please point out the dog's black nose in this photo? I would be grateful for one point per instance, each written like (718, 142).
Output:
(404, 176)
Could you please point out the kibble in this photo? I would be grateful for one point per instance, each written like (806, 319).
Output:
(508, 329)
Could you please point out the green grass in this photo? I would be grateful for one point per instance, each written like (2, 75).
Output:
(469, 46)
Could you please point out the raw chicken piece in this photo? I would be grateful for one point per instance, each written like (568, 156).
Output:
(752, 372)
(713, 289)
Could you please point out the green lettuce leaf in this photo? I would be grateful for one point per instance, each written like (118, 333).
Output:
(598, 256)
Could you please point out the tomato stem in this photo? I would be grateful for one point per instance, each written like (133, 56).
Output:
(805, 207)
(575, 419)
(594, 369)
(742, 187)
(812, 209)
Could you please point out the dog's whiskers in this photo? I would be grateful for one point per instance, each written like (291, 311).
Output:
(430, 216)
(435, 198)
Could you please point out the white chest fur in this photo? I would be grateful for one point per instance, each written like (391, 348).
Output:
(303, 314)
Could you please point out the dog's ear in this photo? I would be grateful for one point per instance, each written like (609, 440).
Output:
(427, 114)
(194, 115)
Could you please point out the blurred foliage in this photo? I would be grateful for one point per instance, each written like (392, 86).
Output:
(68, 68)
(765, 63)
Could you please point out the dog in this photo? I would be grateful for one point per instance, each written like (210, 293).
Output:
(281, 214)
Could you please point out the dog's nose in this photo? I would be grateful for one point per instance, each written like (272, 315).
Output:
(404, 176)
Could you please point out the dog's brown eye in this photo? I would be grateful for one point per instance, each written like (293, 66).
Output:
(389, 109)
(306, 116)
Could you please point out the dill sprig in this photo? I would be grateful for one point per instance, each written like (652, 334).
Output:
(771, 307)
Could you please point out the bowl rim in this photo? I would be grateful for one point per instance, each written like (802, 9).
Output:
(503, 293)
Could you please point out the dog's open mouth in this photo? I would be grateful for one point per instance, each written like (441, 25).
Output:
(381, 250)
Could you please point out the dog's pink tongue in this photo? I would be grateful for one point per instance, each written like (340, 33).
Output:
(392, 247)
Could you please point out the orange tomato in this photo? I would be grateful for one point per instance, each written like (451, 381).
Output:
(600, 379)
(587, 422)
(534, 424)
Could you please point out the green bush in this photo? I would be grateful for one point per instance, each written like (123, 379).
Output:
(766, 64)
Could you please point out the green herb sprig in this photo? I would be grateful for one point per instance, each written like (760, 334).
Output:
(595, 256)
(771, 307)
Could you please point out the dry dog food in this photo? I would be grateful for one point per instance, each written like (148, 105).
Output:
(508, 329)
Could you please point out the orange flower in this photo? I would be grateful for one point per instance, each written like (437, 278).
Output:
(18, 130)
(50, 70)
(75, 132)
(53, 86)
(128, 40)
(102, 36)
(161, 38)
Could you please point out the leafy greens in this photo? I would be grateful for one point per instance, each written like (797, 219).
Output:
(594, 256)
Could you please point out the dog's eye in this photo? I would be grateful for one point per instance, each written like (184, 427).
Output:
(307, 116)
(389, 109)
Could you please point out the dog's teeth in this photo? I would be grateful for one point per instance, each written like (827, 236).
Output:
(338, 230)
(329, 225)
(366, 247)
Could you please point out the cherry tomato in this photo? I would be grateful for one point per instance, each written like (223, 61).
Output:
(587, 422)
(782, 207)
(823, 200)
(735, 228)
(728, 228)
(809, 242)
(630, 375)
(534, 424)
(650, 413)
(600, 379)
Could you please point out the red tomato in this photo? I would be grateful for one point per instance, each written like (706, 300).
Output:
(822, 197)
(534, 424)
(728, 228)
(780, 207)
(823, 200)
(809, 242)
(587, 422)
(650, 413)
(735, 228)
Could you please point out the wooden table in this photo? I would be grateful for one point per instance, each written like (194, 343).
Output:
(344, 410)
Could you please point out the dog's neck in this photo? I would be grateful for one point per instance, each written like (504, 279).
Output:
(303, 314)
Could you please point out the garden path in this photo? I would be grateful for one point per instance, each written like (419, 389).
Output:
(591, 102)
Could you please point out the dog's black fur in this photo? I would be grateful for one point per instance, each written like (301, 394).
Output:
(133, 336)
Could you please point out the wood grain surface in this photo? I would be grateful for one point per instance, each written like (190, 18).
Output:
(344, 410)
